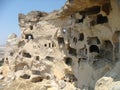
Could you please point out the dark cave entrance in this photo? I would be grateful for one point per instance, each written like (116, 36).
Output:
(94, 48)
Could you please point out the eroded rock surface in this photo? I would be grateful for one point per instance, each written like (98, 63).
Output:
(74, 48)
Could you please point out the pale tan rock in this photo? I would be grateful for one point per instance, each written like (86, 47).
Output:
(73, 47)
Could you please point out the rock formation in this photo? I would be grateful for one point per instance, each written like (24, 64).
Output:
(74, 48)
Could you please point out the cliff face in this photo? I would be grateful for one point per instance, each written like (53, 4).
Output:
(91, 41)
(68, 49)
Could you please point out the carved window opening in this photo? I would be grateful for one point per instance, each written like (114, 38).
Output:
(29, 36)
(49, 58)
(6, 58)
(25, 76)
(11, 53)
(60, 40)
(101, 19)
(27, 55)
(81, 37)
(53, 45)
(72, 51)
(80, 20)
(37, 79)
(68, 61)
(31, 27)
(94, 48)
(49, 44)
(37, 58)
(45, 45)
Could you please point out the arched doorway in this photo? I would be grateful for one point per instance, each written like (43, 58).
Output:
(94, 48)
(29, 36)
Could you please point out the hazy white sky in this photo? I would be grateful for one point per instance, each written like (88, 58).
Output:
(10, 9)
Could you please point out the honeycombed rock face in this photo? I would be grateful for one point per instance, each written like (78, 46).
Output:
(76, 47)
(35, 57)
(91, 41)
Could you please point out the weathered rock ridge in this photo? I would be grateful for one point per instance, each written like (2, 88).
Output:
(77, 47)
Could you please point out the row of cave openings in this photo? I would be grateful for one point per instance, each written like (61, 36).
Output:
(21, 66)
(92, 49)
(94, 45)
(49, 45)
(95, 10)
(28, 55)
(30, 37)
(80, 38)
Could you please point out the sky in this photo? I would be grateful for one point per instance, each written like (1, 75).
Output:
(9, 10)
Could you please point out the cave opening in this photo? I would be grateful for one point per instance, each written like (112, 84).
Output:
(31, 27)
(81, 37)
(29, 36)
(49, 58)
(25, 76)
(94, 48)
(80, 20)
(68, 61)
(37, 58)
(24, 54)
(11, 53)
(37, 79)
(53, 45)
(45, 45)
(60, 40)
(72, 51)
(49, 45)
(101, 19)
